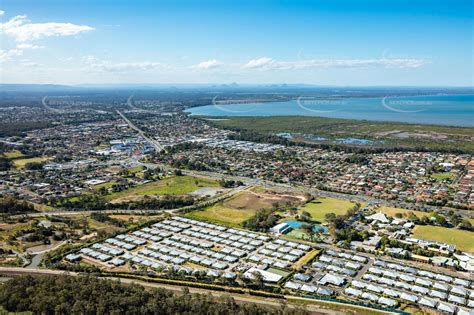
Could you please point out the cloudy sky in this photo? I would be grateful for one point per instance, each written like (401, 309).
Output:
(333, 42)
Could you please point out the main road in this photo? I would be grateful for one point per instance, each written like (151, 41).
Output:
(155, 143)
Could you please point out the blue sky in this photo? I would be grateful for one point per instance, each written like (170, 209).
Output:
(333, 42)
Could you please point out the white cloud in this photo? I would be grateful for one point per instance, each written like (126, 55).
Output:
(29, 64)
(209, 64)
(2, 13)
(95, 64)
(259, 63)
(271, 64)
(9, 54)
(130, 66)
(28, 46)
(22, 29)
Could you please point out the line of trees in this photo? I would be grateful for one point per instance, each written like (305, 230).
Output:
(90, 295)
(10, 205)
(96, 202)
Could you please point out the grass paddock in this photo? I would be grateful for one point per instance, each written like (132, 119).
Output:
(464, 240)
(319, 207)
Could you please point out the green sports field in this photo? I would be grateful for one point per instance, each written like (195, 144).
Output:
(14, 154)
(20, 163)
(443, 176)
(318, 208)
(221, 214)
(464, 240)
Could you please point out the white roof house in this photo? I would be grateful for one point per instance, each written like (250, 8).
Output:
(391, 292)
(459, 291)
(374, 288)
(378, 217)
(387, 302)
(428, 302)
(325, 291)
(461, 282)
(447, 308)
(419, 289)
(358, 284)
(409, 297)
(308, 288)
(440, 286)
(456, 299)
(332, 279)
(438, 294)
(266, 275)
(463, 311)
(353, 292)
(370, 296)
(292, 285)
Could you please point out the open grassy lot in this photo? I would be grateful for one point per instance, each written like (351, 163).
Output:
(318, 208)
(14, 154)
(221, 214)
(257, 199)
(243, 206)
(464, 240)
(20, 163)
(135, 169)
(277, 271)
(104, 185)
(103, 226)
(443, 176)
(392, 211)
(178, 185)
(306, 258)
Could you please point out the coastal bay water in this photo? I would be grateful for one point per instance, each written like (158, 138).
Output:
(453, 110)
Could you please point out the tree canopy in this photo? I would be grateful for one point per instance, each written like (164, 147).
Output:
(90, 295)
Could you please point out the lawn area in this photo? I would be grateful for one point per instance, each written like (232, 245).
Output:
(318, 208)
(277, 271)
(104, 185)
(443, 176)
(306, 259)
(297, 234)
(464, 240)
(104, 226)
(242, 206)
(20, 163)
(135, 169)
(14, 154)
(178, 185)
(391, 211)
(258, 199)
(221, 214)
